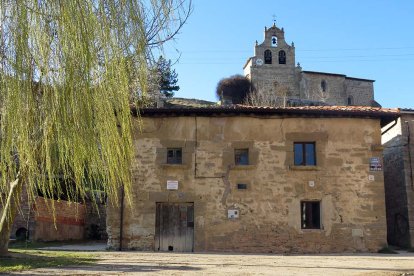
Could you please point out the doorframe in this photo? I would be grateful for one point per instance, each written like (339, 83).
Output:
(157, 236)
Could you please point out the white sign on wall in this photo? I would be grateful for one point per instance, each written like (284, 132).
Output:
(232, 214)
(172, 184)
(375, 164)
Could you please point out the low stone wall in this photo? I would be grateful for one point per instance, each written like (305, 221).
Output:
(58, 220)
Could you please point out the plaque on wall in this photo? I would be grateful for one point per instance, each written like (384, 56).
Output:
(375, 164)
(172, 184)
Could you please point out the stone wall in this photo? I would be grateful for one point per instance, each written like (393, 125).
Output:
(58, 220)
(311, 88)
(23, 225)
(268, 79)
(73, 221)
(398, 178)
(95, 220)
(361, 91)
(352, 206)
(51, 220)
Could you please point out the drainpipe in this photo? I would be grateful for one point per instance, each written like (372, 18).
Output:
(410, 161)
(195, 147)
(122, 218)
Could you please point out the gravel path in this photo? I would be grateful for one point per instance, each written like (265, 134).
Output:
(142, 263)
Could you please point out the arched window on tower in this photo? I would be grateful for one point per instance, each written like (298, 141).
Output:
(268, 57)
(274, 41)
(282, 57)
(323, 86)
(350, 100)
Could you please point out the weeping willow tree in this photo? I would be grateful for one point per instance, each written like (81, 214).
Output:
(67, 70)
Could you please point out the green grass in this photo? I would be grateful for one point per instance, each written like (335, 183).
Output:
(39, 244)
(30, 257)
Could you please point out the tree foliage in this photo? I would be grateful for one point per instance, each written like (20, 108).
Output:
(235, 88)
(168, 78)
(66, 69)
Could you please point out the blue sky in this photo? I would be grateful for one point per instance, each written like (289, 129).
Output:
(371, 39)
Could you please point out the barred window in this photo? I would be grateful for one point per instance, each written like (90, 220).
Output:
(174, 156)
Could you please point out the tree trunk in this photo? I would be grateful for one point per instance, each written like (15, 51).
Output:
(9, 213)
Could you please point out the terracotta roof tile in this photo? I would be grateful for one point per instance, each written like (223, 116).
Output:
(333, 108)
(326, 108)
(270, 109)
(386, 115)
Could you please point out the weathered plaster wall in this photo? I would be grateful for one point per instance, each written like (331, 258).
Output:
(51, 220)
(352, 207)
(398, 178)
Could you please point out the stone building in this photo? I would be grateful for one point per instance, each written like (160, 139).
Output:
(251, 179)
(273, 71)
(398, 178)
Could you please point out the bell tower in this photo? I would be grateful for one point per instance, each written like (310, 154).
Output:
(272, 68)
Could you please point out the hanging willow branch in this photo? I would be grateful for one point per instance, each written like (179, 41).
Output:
(65, 74)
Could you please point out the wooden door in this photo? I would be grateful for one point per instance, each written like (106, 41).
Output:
(174, 227)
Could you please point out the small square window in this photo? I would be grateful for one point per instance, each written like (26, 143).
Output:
(241, 156)
(310, 214)
(241, 186)
(174, 156)
(304, 153)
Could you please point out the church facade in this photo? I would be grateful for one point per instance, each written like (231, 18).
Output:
(273, 71)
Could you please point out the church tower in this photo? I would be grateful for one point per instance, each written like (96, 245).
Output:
(272, 69)
(273, 73)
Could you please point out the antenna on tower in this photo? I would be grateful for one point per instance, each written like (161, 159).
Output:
(274, 19)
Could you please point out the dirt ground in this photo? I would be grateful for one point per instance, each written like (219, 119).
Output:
(130, 263)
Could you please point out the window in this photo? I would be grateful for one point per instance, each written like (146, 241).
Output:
(241, 156)
(274, 41)
(268, 57)
(174, 156)
(241, 186)
(304, 153)
(350, 100)
(323, 85)
(310, 212)
(282, 57)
